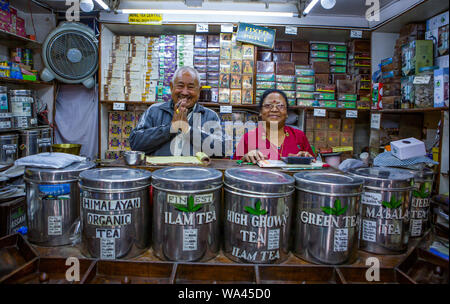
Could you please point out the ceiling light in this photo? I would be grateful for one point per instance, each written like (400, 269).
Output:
(102, 4)
(309, 7)
(327, 4)
(86, 5)
(206, 12)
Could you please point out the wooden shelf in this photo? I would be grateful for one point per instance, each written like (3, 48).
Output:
(414, 110)
(13, 40)
(25, 82)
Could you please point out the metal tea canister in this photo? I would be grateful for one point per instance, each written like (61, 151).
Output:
(186, 209)
(257, 219)
(419, 212)
(384, 209)
(115, 212)
(53, 203)
(327, 217)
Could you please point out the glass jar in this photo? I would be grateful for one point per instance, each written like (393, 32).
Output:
(205, 94)
(424, 88)
(22, 108)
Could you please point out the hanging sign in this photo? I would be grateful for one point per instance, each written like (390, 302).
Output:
(375, 121)
(226, 109)
(320, 112)
(355, 34)
(290, 30)
(145, 19)
(202, 28)
(226, 28)
(119, 106)
(257, 35)
(351, 113)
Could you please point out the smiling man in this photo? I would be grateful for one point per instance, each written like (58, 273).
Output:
(181, 126)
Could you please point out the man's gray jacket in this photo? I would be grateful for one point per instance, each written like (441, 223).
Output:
(152, 134)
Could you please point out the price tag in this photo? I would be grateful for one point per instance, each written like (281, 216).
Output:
(226, 109)
(202, 28)
(320, 112)
(351, 114)
(422, 79)
(226, 28)
(355, 34)
(375, 121)
(291, 30)
(119, 106)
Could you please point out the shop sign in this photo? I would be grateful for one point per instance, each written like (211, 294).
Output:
(202, 28)
(355, 34)
(226, 28)
(257, 35)
(351, 114)
(145, 18)
(291, 30)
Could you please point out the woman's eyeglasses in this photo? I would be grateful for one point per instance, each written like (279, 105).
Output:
(268, 106)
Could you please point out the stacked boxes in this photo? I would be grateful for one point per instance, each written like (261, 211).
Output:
(359, 67)
(152, 74)
(185, 50)
(265, 77)
(286, 80)
(167, 65)
(236, 66)
(305, 85)
(346, 90)
(325, 133)
(416, 54)
(9, 21)
(120, 126)
(125, 78)
(213, 61)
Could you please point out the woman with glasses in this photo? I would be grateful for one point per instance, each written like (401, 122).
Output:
(272, 139)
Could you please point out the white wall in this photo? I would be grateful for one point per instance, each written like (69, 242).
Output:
(382, 47)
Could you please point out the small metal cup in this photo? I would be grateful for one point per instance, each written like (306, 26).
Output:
(133, 158)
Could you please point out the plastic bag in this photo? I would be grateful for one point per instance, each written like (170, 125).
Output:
(351, 163)
(55, 160)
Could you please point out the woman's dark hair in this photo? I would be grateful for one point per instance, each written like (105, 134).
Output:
(267, 92)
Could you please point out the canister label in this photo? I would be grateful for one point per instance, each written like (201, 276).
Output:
(189, 210)
(261, 231)
(111, 205)
(54, 225)
(17, 219)
(21, 108)
(107, 248)
(12, 148)
(340, 240)
(190, 238)
(371, 198)
(54, 192)
(183, 199)
(369, 231)
(416, 227)
(5, 124)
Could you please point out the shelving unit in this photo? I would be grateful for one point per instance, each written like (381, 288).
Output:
(13, 40)
(25, 82)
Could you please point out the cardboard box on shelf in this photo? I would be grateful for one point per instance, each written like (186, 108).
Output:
(310, 124)
(346, 86)
(346, 139)
(320, 123)
(333, 138)
(321, 67)
(310, 136)
(320, 136)
(300, 46)
(334, 124)
(300, 58)
(322, 78)
(441, 80)
(348, 125)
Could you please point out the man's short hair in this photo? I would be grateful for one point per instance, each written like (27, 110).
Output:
(179, 71)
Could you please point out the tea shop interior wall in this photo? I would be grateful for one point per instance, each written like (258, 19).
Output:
(76, 118)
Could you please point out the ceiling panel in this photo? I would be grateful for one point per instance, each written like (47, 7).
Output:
(347, 8)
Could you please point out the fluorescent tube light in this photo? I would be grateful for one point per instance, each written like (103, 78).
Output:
(102, 4)
(309, 7)
(206, 12)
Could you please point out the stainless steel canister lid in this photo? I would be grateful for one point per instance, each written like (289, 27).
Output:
(49, 175)
(114, 179)
(30, 132)
(20, 92)
(331, 184)
(424, 174)
(258, 181)
(384, 178)
(186, 178)
(9, 136)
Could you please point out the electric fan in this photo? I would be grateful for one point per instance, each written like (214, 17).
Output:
(70, 54)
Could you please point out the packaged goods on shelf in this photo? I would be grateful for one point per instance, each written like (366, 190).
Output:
(265, 77)
(325, 96)
(337, 55)
(302, 70)
(306, 87)
(320, 123)
(305, 79)
(305, 102)
(305, 95)
(327, 88)
(285, 46)
(319, 47)
(300, 58)
(334, 124)
(265, 85)
(333, 138)
(416, 54)
(321, 67)
(280, 57)
(391, 102)
(347, 97)
(347, 104)
(441, 88)
(235, 96)
(337, 48)
(322, 78)
(285, 68)
(319, 54)
(346, 139)
(338, 69)
(300, 46)
(264, 56)
(342, 62)
(286, 78)
(346, 86)
(290, 94)
(286, 86)
(224, 95)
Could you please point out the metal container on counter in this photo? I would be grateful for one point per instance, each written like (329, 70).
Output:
(22, 108)
(419, 212)
(115, 212)
(45, 140)
(384, 209)
(5, 116)
(186, 213)
(9, 148)
(29, 142)
(13, 215)
(257, 219)
(53, 200)
(327, 217)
